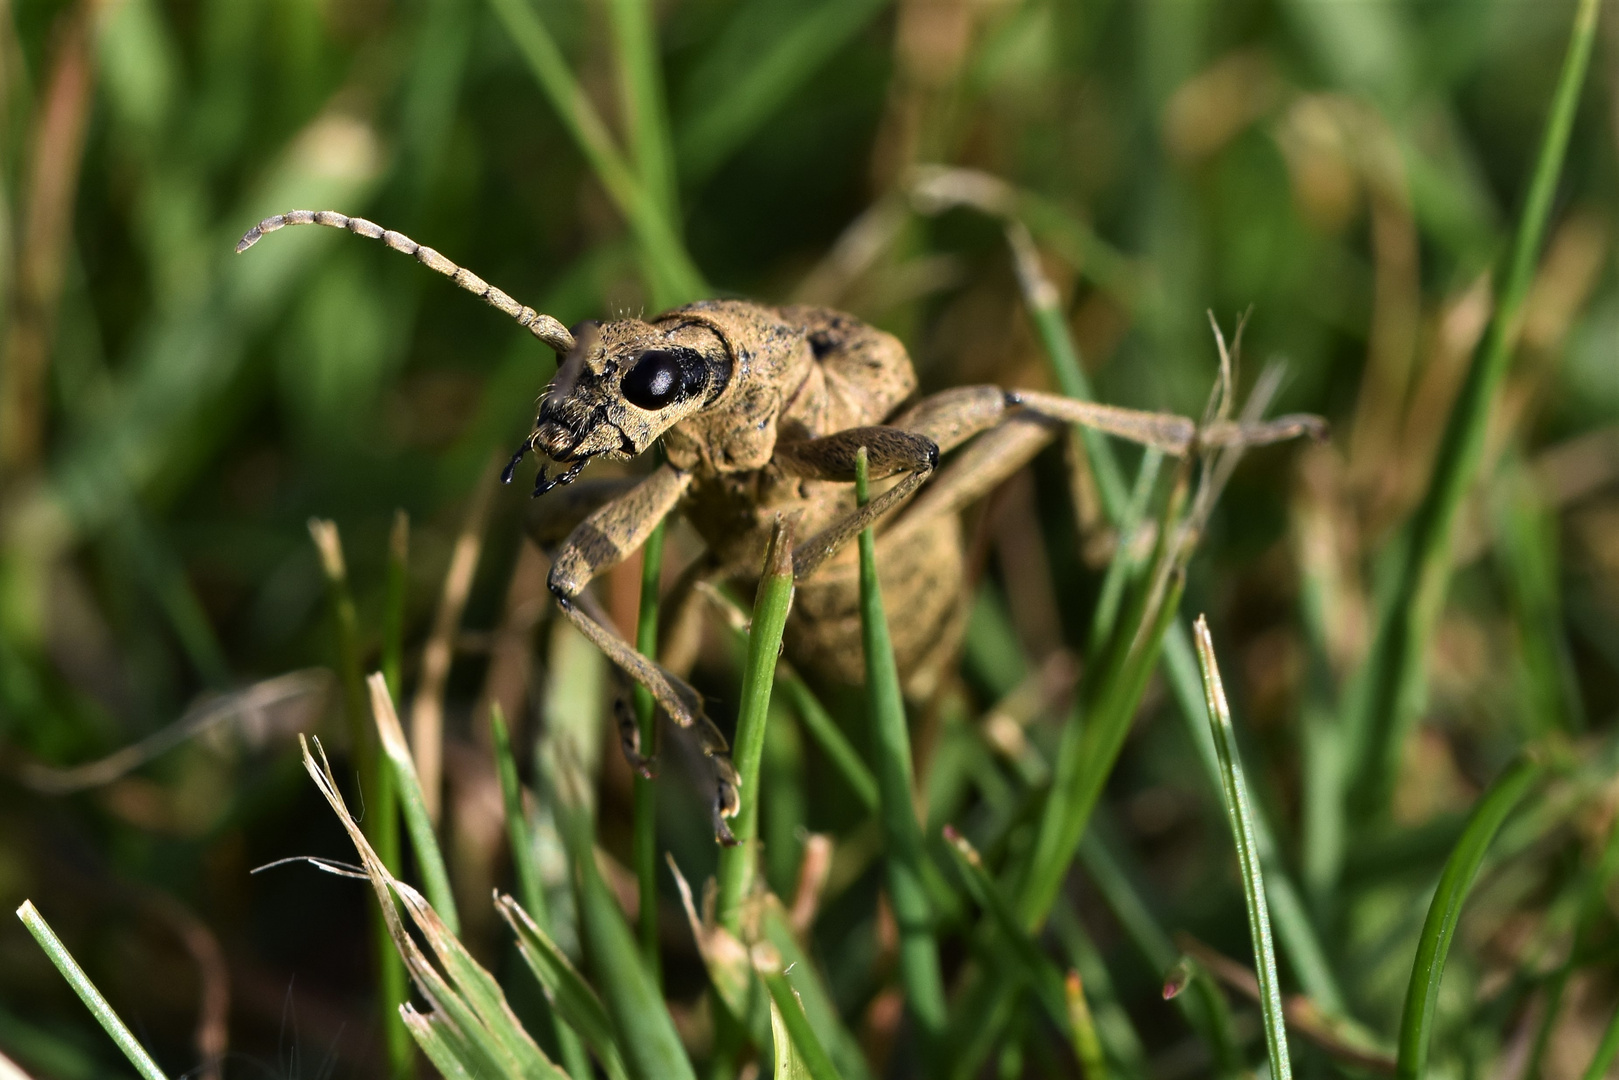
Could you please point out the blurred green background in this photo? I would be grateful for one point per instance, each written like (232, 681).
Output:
(173, 414)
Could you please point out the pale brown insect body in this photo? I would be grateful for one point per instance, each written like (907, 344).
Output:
(761, 412)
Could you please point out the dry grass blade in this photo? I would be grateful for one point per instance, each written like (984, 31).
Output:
(469, 1008)
(412, 803)
(427, 707)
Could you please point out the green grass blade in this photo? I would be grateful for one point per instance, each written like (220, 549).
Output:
(1087, 1044)
(1205, 1008)
(798, 1049)
(1389, 694)
(1592, 913)
(529, 886)
(674, 279)
(443, 1047)
(822, 727)
(641, 94)
(902, 833)
(1091, 742)
(423, 840)
(1035, 968)
(575, 1002)
(738, 862)
(1123, 564)
(807, 983)
(376, 784)
(645, 1034)
(1607, 1050)
(742, 98)
(1422, 994)
(1297, 934)
(98, 1006)
(1235, 787)
(644, 813)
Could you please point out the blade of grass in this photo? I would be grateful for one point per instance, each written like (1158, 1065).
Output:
(382, 824)
(383, 821)
(423, 840)
(447, 1052)
(576, 1004)
(644, 813)
(98, 1006)
(529, 886)
(1034, 967)
(1592, 914)
(1607, 1050)
(807, 983)
(1113, 1025)
(1242, 832)
(477, 1020)
(427, 705)
(749, 83)
(738, 862)
(1087, 1046)
(833, 742)
(673, 277)
(1205, 1008)
(1422, 994)
(902, 833)
(646, 1035)
(798, 1050)
(1388, 694)
(641, 94)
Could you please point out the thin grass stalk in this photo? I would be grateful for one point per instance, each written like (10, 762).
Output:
(1051, 324)
(644, 821)
(800, 44)
(809, 986)
(1242, 831)
(646, 1035)
(738, 862)
(1293, 926)
(822, 727)
(423, 840)
(902, 833)
(530, 890)
(376, 785)
(1422, 993)
(1095, 733)
(1033, 966)
(92, 998)
(1087, 1044)
(1592, 914)
(1121, 566)
(383, 821)
(675, 279)
(1205, 1008)
(789, 1023)
(641, 95)
(1390, 691)
(1607, 1050)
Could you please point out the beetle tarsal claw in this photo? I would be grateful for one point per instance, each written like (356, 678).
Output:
(545, 482)
(629, 737)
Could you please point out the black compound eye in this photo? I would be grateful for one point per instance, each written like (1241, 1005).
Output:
(654, 381)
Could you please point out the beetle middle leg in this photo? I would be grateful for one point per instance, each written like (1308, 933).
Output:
(603, 539)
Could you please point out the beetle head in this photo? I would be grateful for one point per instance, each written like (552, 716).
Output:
(623, 384)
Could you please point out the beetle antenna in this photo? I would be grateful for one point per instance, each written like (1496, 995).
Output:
(544, 327)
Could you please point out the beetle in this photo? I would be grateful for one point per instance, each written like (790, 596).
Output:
(761, 412)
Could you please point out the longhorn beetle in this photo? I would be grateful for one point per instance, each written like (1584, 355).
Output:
(761, 411)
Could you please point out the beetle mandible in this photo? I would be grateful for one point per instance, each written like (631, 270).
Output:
(761, 411)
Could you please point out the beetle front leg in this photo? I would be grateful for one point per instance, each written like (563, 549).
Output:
(604, 539)
(889, 452)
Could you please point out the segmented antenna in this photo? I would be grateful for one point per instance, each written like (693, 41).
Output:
(544, 327)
